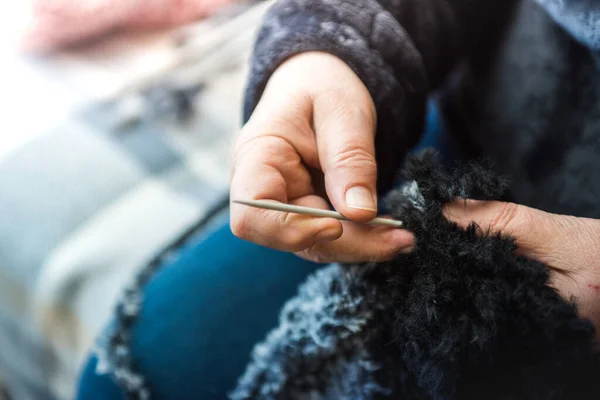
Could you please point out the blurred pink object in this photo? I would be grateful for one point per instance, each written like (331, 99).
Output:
(58, 23)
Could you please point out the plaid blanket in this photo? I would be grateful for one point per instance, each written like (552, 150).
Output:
(87, 204)
(84, 206)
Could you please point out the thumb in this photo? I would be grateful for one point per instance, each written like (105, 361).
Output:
(344, 124)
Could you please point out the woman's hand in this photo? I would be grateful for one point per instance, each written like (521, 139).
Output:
(569, 245)
(311, 137)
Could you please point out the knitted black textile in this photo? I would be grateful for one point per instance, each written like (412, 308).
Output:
(462, 317)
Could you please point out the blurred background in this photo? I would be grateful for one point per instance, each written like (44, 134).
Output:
(117, 127)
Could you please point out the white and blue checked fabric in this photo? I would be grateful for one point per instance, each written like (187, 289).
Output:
(85, 205)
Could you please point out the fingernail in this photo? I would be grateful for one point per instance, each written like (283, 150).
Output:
(407, 250)
(361, 198)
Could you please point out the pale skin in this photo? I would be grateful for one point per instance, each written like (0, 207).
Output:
(312, 135)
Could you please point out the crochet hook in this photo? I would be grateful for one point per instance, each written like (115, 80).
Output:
(314, 212)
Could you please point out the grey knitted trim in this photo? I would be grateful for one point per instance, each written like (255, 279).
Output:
(321, 348)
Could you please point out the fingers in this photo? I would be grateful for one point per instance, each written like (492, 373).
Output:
(270, 164)
(273, 171)
(568, 245)
(270, 168)
(562, 242)
(495, 216)
(284, 231)
(300, 127)
(361, 243)
(527, 225)
(344, 121)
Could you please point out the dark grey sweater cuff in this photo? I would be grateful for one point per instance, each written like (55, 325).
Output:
(372, 43)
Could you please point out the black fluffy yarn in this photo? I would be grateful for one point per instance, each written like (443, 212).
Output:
(473, 319)
(462, 317)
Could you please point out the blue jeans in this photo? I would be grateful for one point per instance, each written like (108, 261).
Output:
(201, 317)
(203, 314)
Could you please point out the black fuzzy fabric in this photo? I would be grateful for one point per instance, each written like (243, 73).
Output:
(462, 317)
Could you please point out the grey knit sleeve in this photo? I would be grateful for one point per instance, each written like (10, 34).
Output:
(399, 48)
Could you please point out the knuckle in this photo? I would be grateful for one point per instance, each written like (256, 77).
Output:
(247, 133)
(353, 157)
(254, 143)
(273, 149)
(294, 122)
(281, 117)
(510, 218)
